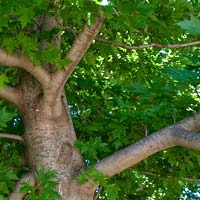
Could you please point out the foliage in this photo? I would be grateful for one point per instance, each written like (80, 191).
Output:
(116, 96)
(45, 188)
(110, 190)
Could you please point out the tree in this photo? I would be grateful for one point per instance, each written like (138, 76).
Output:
(133, 78)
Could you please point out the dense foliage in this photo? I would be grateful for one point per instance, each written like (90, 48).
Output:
(116, 96)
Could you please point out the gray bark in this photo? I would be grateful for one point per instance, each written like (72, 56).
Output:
(50, 138)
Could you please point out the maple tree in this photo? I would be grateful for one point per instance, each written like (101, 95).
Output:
(130, 72)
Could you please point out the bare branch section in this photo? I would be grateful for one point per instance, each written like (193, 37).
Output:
(15, 195)
(79, 47)
(171, 136)
(11, 136)
(154, 44)
(143, 46)
(14, 60)
(12, 95)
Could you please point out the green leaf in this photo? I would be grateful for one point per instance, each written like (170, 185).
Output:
(108, 10)
(10, 44)
(11, 175)
(51, 55)
(5, 117)
(63, 63)
(3, 80)
(27, 188)
(44, 176)
(3, 188)
(138, 88)
(3, 198)
(191, 26)
(26, 15)
(29, 46)
(111, 192)
(97, 176)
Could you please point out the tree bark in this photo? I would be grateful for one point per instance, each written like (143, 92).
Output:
(50, 138)
(50, 135)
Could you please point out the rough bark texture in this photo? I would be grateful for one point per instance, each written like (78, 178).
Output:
(50, 138)
(50, 135)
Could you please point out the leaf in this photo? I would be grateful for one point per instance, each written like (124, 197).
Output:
(63, 63)
(26, 188)
(44, 176)
(11, 175)
(26, 15)
(5, 117)
(3, 188)
(3, 198)
(3, 80)
(10, 44)
(51, 55)
(191, 26)
(138, 88)
(111, 192)
(108, 10)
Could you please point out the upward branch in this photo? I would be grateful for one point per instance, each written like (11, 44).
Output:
(177, 135)
(20, 61)
(79, 47)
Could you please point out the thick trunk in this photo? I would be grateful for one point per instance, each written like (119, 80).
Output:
(49, 140)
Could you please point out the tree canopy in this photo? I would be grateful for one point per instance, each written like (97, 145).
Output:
(140, 75)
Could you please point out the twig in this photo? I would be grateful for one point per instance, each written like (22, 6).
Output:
(143, 46)
(154, 44)
(196, 180)
(11, 136)
(97, 193)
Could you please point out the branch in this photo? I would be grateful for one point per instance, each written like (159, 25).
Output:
(14, 60)
(195, 180)
(12, 136)
(143, 46)
(79, 47)
(12, 95)
(154, 44)
(15, 195)
(176, 135)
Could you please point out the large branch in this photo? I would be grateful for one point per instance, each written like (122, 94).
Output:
(20, 61)
(177, 135)
(143, 46)
(79, 47)
(12, 95)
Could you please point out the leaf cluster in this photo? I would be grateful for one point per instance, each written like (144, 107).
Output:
(45, 188)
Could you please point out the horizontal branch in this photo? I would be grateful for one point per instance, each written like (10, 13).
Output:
(170, 136)
(20, 61)
(13, 95)
(12, 136)
(142, 46)
(153, 44)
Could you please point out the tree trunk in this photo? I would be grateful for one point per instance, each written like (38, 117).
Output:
(50, 138)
